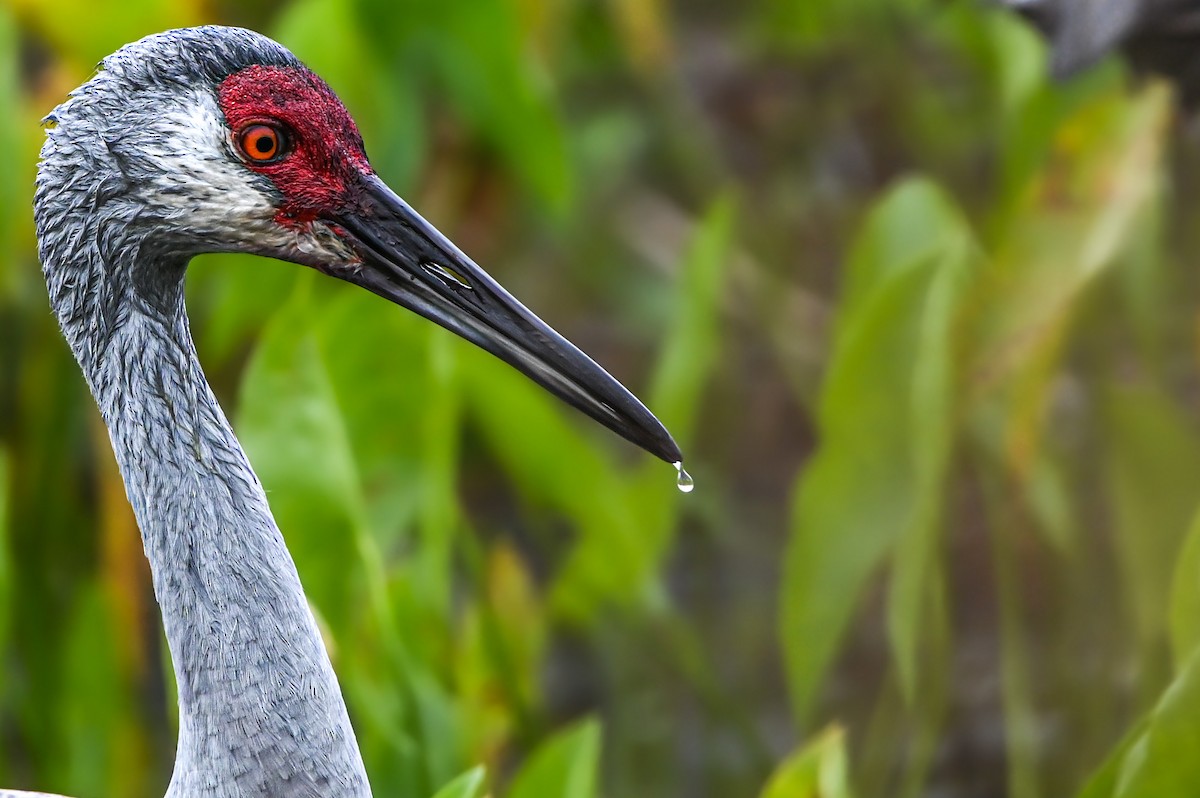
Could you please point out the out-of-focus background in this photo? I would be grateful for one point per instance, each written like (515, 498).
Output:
(924, 321)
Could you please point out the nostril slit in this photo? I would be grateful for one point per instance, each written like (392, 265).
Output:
(446, 275)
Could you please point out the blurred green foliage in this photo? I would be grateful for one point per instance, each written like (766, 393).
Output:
(924, 322)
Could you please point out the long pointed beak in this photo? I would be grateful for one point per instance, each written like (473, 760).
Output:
(406, 260)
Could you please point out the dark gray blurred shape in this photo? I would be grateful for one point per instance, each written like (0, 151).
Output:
(1161, 36)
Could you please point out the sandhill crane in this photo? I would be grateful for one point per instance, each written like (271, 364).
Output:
(218, 139)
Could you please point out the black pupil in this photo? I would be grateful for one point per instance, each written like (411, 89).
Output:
(263, 143)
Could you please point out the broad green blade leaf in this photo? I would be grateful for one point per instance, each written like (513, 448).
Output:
(552, 462)
(394, 377)
(875, 482)
(565, 766)
(231, 297)
(342, 445)
(1064, 232)
(1154, 473)
(693, 342)
(1051, 503)
(506, 95)
(500, 651)
(1147, 277)
(1017, 58)
(1185, 598)
(1163, 761)
(628, 559)
(293, 431)
(473, 56)
(817, 770)
(92, 701)
(1103, 783)
(468, 785)
(914, 598)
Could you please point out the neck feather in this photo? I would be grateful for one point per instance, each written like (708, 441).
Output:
(261, 712)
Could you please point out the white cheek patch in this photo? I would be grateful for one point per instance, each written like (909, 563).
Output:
(200, 171)
(204, 185)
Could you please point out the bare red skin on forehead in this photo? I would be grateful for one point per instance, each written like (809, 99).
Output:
(326, 150)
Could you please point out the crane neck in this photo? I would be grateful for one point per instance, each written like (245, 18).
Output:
(260, 709)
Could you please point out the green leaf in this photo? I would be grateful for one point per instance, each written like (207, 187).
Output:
(352, 455)
(1185, 598)
(468, 785)
(1017, 57)
(1103, 783)
(565, 766)
(1163, 760)
(474, 57)
(394, 379)
(885, 419)
(1154, 470)
(91, 702)
(1063, 232)
(553, 463)
(693, 342)
(619, 562)
(817, 770)
(231, 297)
(914, 589)
(292, 429)
(506, 95)
(500, 650)
(1157, 756)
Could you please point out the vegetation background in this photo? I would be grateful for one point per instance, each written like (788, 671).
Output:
(925, 324)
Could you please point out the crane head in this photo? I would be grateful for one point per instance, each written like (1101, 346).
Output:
(218, 139)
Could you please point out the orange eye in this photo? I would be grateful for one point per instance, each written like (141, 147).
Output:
(262, 143)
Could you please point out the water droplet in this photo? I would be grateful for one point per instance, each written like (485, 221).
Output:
(684, 481)
(447, 275)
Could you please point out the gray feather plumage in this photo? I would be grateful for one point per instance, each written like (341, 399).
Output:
(134, 180)
(1158, 36)
(1080, 32)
